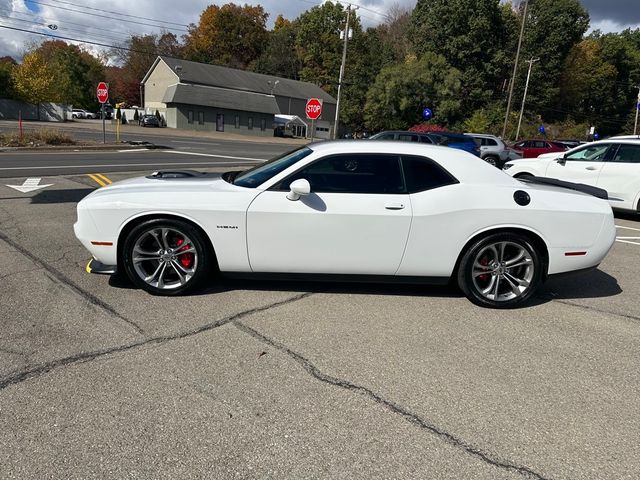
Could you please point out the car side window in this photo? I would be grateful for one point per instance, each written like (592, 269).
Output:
(352, 173)
(591, 153)
(425, 139)
(491, 142)
(540, 144)
(423, 174)
(386, 136)
(406, 137)
(627, 154)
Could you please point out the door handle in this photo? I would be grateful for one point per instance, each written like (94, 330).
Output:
(394, 206)
(590, 168)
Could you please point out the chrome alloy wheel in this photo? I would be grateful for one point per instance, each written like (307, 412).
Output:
(164, 258)
(503, 271)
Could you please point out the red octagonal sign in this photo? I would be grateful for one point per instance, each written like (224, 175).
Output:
(314, 108)
(102, 92)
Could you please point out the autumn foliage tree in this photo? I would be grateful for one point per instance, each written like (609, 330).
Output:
(231, 35)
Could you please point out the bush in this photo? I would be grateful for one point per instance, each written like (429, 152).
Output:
(136, 116)
(124, 118)
(36, 138)
(427, 127)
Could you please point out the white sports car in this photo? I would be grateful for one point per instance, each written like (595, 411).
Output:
(367, 210)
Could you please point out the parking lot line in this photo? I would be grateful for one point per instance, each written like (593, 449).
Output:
(627, 241)
(628, 228)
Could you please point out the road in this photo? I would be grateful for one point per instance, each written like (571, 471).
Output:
(173, 150)
(250, 379)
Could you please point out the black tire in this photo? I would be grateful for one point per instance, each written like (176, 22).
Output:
(501, 286)
(175, 273)
(492, 160)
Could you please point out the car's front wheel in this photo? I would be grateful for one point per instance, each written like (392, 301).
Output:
(502, 270)
(166, 256)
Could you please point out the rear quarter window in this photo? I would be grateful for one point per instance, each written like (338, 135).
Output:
(423, 174)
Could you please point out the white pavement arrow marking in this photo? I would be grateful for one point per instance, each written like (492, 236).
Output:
(29, 185)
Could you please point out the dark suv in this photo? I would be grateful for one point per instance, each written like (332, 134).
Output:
(403, 136)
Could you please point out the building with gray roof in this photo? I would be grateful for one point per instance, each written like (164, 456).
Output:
(198, 96)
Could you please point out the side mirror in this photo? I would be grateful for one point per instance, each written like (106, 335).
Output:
(562, 161)
(299, 188)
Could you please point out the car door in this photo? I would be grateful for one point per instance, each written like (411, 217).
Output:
(355, 220)
(583, 165)
(620, 176)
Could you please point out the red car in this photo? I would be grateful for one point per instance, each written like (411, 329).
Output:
(533, 148)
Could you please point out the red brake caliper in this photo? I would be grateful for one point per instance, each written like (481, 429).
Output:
(185, 259)
(485, 276)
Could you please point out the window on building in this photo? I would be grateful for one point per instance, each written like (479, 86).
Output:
(200, 118)
(190, 116)
(263, 124)
(220, 122)
(250, 123)
(237, 122)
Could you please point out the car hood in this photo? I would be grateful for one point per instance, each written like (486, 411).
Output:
(210, 182)
(551, 155)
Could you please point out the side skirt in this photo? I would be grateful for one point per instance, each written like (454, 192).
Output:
(332, 277)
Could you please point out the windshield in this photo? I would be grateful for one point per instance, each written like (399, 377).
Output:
(258, 175)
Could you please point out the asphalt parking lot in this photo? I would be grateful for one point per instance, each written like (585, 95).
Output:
(305, 380)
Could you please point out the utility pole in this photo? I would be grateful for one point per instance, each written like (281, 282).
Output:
(635, 125)
(344, 59)
(524, 97)
(515, 70)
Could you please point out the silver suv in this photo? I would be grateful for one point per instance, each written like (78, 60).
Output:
(492, 149)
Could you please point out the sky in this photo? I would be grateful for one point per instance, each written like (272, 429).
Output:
(97, 20)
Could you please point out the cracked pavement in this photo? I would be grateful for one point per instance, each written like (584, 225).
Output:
(302, 380)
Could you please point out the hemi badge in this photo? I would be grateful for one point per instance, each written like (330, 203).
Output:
(102, 244)
(574, 254)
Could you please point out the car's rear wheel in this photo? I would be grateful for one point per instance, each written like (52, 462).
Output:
(502, 270)
(166, 256)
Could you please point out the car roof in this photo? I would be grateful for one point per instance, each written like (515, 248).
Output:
(464, 166)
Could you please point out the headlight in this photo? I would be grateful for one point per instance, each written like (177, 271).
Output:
(507, 166)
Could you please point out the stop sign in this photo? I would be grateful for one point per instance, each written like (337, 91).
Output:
(314, 108)
(102, 92)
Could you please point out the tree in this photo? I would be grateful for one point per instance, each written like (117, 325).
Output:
(586, 81)
(319, 46)
(279, 56)
(230, 35)
(553, 28)
(71, 74)
(471, 35)
(400, 92)
(34, 80)
(393, 34)
(7, 64)
(136, 56)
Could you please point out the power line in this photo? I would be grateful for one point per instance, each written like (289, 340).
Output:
(58, 21)
(121, 14)
(99, 44)
(30, 22)
(109, 17)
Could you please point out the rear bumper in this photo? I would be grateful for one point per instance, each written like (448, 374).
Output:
(96, 266)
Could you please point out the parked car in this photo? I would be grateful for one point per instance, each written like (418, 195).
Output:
(613, 165)
(533, 148)
(453, 140)
(403, 136)
(149, 121)
(396, 210)
(457, 140)
(492, 149)
(80, 113)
